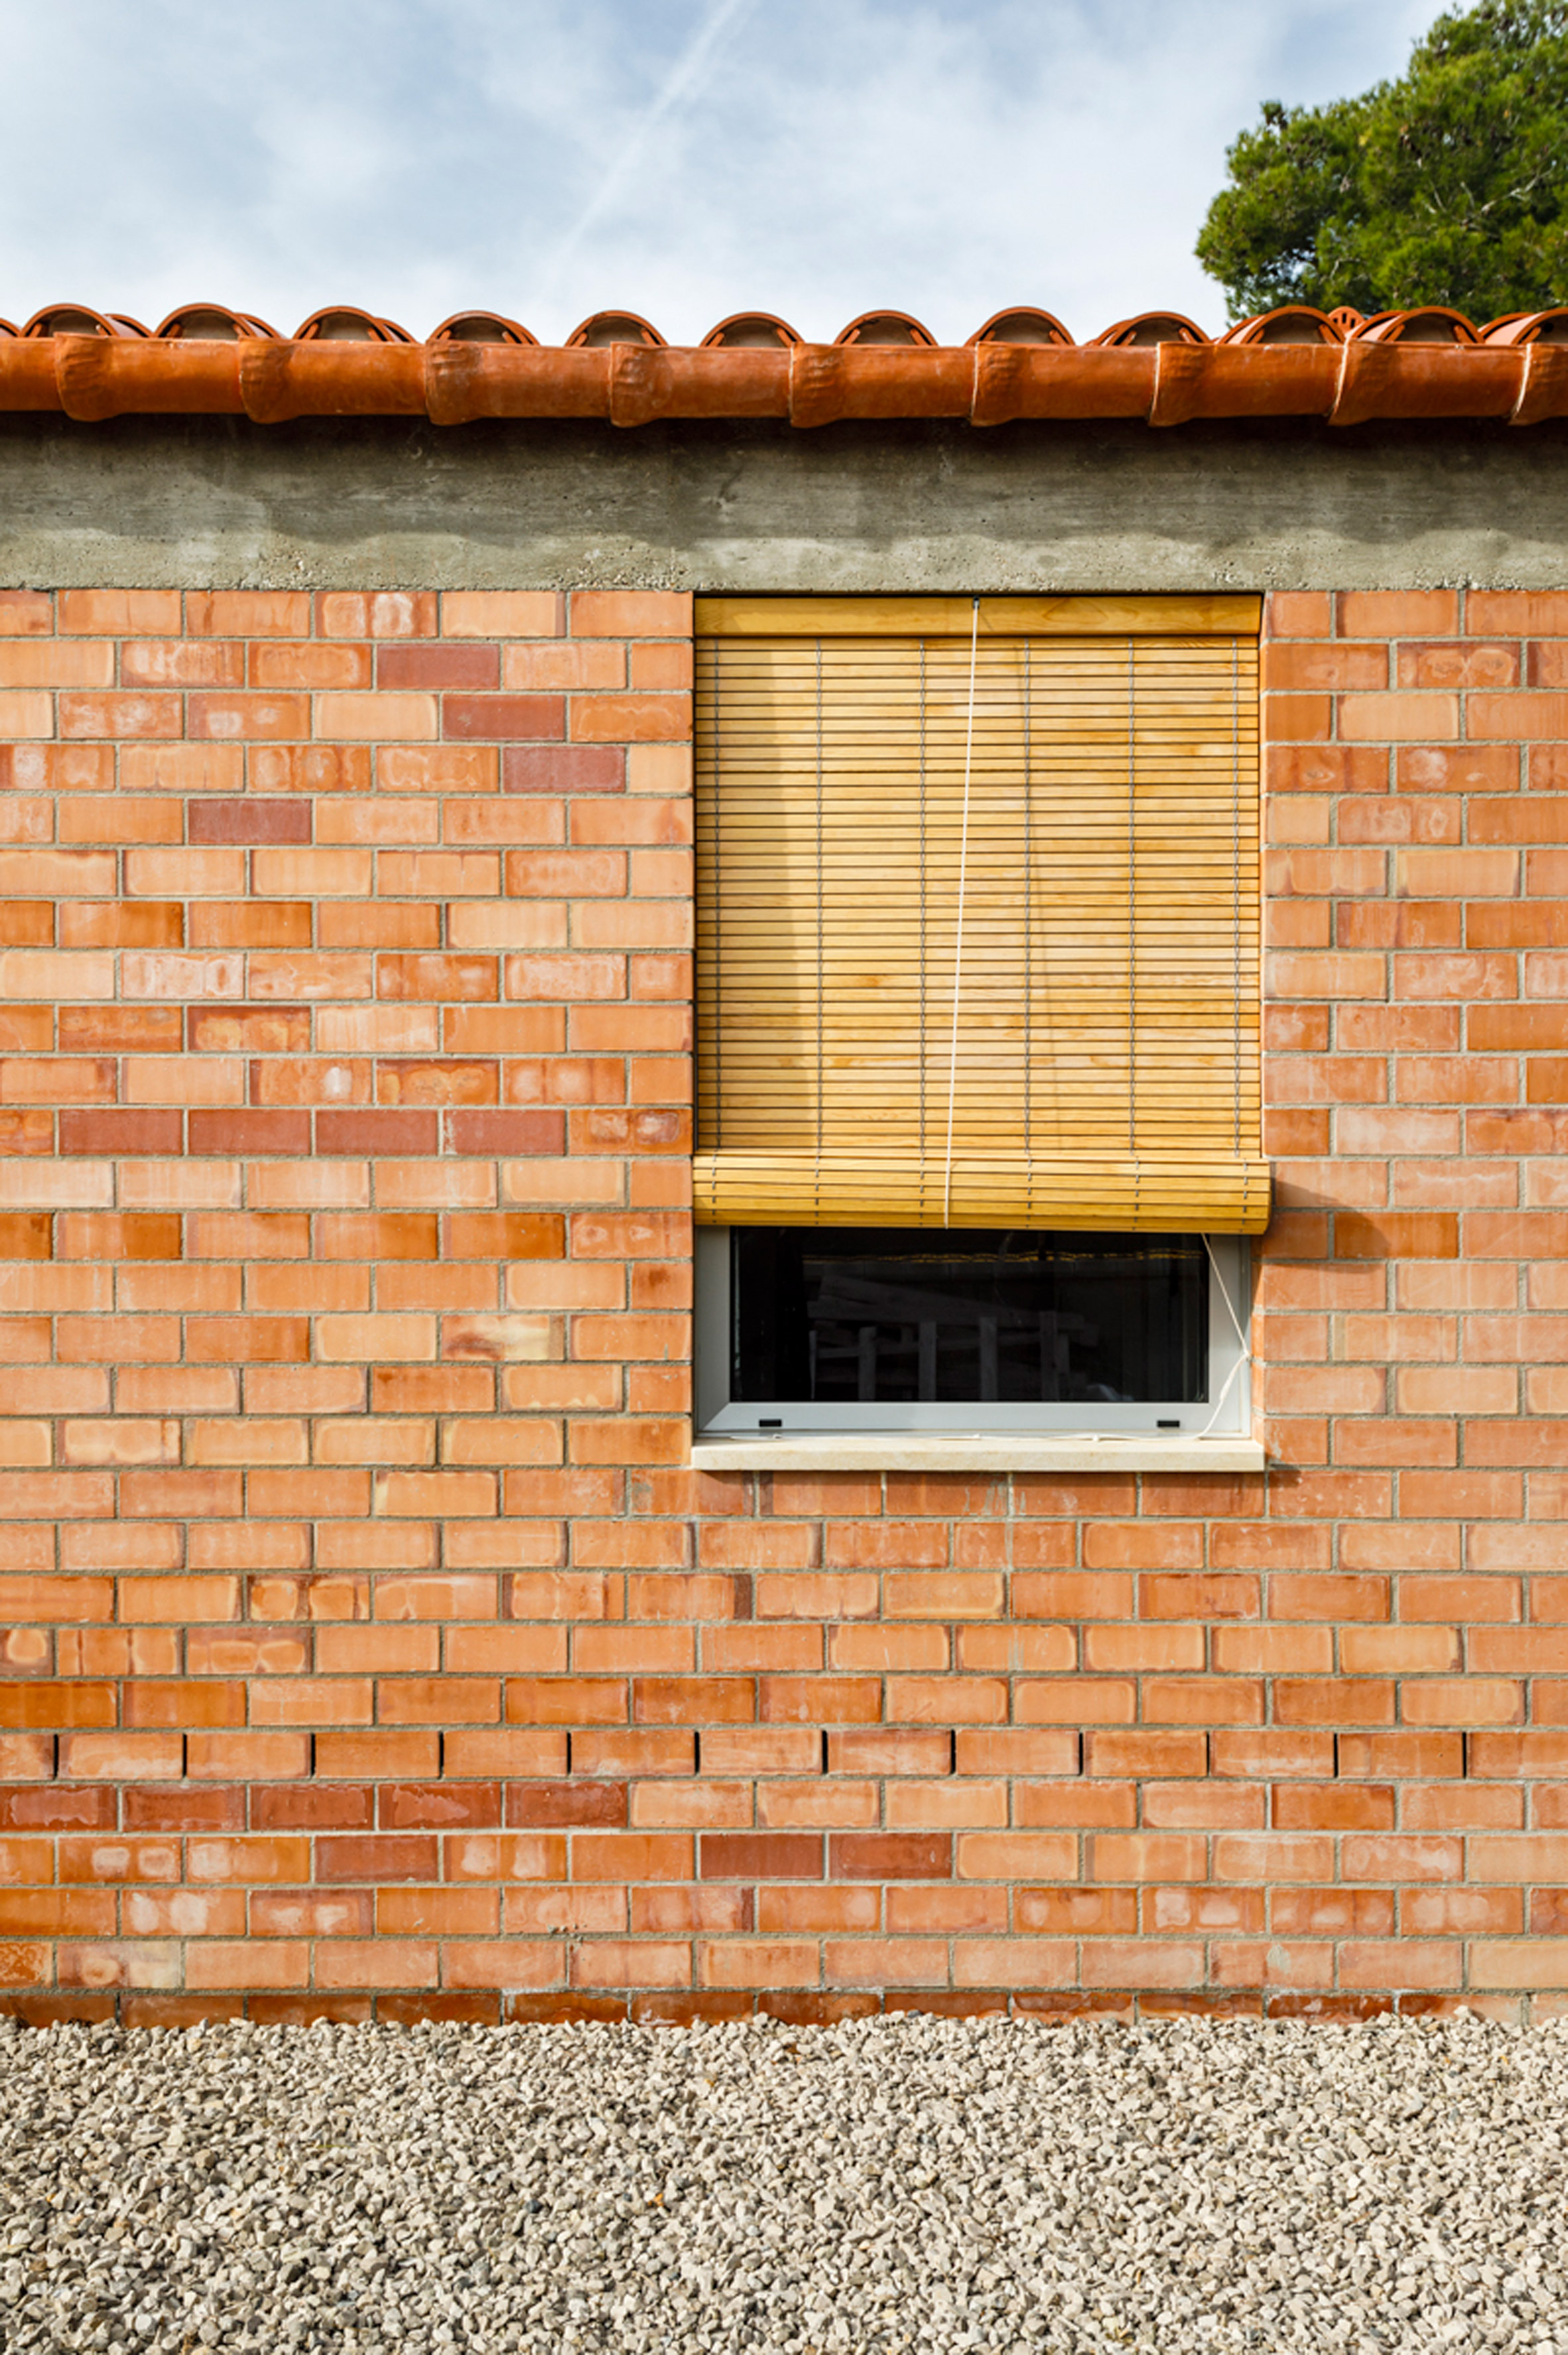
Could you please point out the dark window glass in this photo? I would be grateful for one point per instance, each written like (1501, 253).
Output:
(894, 1316)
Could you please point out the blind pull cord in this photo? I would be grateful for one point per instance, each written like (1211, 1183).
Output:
(1236, 898)
(1133, 932)
(717, 909)
(958, 938)
(924, 1074)
(1029, 947)
(1245, 1357)
(821, 1101)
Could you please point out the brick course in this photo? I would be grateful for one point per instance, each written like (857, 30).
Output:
(367, 1644)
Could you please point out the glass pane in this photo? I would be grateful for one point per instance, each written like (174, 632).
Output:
(895, 1315)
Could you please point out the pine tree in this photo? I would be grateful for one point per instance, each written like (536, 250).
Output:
(1448, 185)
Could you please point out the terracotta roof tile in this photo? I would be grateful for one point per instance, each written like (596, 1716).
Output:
(886, 327)
(1293, 322)
(1158, 366)
(480, 327)
(1528, 327)
(1025, 326)
(609, 327)
(757, 330)
(343, 325)
(1436, 324)
(1151, 327)
(210, 323)
(70, 319)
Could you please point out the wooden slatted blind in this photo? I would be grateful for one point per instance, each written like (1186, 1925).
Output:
(1067, 983)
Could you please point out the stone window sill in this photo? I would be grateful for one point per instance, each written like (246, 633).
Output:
(974, 1452)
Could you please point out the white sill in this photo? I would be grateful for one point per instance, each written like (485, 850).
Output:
(882, 1451)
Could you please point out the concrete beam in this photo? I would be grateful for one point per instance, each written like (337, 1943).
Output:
(216, 502)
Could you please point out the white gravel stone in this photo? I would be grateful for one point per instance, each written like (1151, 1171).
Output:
(900, 2183)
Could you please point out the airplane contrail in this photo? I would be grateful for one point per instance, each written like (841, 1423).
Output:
(679, 83)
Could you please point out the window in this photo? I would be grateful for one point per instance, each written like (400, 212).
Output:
(979, 1128)
(922, 1329)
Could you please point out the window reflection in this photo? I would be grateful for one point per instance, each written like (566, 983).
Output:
(896, 1316)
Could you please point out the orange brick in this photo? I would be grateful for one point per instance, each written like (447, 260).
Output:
(131, 1757)
(170, 1601)
(1401, 717)
(622, 614)
(247, 612)
(858, 1753)
(1337, 665)
(1132, 1647)
(949, 1594)
(963, 1700)
(1411, 614)
(1138, 1545)
(29, 613)
(376, 1963)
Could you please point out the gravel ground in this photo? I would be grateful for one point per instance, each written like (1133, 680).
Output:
(897, 2183)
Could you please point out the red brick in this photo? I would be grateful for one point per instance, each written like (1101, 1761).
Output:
(761, 1856)
(503, 718)
(473, 665)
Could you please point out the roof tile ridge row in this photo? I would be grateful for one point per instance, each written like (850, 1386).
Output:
(90, 377)
(1289, 323)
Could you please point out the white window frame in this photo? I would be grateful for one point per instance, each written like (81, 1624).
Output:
(1225, 1413)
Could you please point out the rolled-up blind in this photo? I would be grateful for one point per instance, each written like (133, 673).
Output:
(977, 891)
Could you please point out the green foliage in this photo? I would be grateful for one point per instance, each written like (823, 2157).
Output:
(1449, 186)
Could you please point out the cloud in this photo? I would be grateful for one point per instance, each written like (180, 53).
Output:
(684, 158)
(680, 86)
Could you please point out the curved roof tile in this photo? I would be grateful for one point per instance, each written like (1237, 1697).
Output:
(340, 322)
(1293, 322)
(605, 328)
(1528, 327)
(1158, 368)
(70, 319)
(1434, 323)
(1152, 327)
(885, 327)
(210, 323)
(1021, 326)
(750, 330)
(480, 327)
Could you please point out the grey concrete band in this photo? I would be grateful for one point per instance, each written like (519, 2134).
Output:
(377, 503)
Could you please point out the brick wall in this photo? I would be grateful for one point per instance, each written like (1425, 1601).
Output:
(367, 1643)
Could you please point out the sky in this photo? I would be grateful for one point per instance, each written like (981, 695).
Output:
(684, 159)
